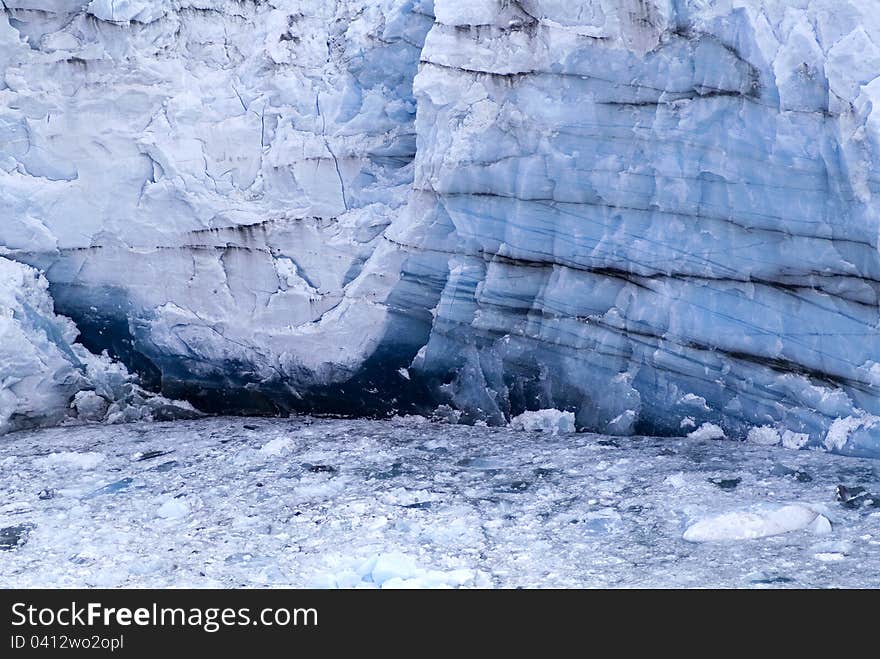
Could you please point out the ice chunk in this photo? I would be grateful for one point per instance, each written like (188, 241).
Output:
(764, 435)
(13, 537)
(398, 570)
(551, 421)
(707, 431)
(794, 440)
(751, 524)
(277, 447)
(821, 525)
(71, 459)
(173, 509)
(89, 406)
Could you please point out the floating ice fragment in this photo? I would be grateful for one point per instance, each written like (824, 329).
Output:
(112, 488)
(764, 435)
(829, 557)
(397, 570)
(726, 483)
(794, 440)
(760, 522)
(173, 509)
(149, 455)
(821, 525)
(856, 497)
(12, 537)
(318, 469)
(392, 565)
(277, 447)
(553, 421)
(72, 459)
(799, 475)
(707, 431)
(676, 480)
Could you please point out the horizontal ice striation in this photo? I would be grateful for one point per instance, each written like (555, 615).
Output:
(657, 214)
(203, 181)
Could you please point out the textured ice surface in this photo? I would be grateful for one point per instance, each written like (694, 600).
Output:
(759, 523)
(658, 211)
(646, 213)
(39, 370)
(407, 503)
(204, 181)
(552, 421)
(47, 378)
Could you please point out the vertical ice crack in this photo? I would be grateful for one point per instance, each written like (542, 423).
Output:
(329, 149)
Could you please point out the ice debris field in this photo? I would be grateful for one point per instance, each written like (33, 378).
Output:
(407, 503)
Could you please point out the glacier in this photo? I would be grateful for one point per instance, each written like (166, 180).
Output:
(203, 182)
(660, 212)
(656, 215)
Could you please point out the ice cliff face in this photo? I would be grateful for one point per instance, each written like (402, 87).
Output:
(203, 181)
(654, 214)
(659, 214)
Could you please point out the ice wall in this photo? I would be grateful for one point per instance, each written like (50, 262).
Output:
(662, 213)
(654, 214)
(202, 181)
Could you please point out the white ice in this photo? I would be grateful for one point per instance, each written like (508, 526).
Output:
(554, 422)
(46, 377)
(759, 523)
